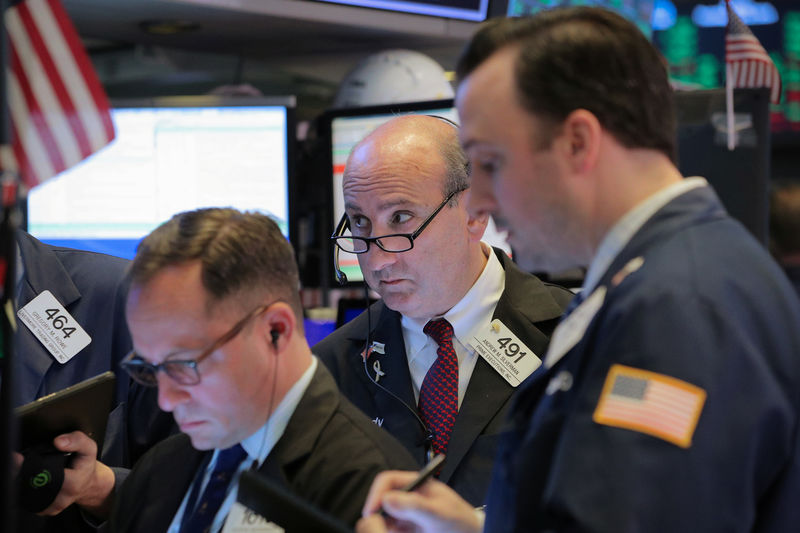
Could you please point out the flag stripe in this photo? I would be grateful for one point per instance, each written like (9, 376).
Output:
(27, 136)
(663, 406)
(20, 157)
(39, 94)
(77, 70)
(44, 54)
(59, 112)
(751, 65)
(668, 408)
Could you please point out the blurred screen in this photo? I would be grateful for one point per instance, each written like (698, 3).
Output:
(165, 160)
(457, 9)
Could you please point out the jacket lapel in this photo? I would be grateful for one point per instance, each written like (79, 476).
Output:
(400, 420)
(43, 271)
(315, 409)
(488, 392)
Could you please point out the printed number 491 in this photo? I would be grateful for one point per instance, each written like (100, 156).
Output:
(511, 348)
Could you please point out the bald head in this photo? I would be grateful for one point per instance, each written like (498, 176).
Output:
(395, 180)
(405, 140)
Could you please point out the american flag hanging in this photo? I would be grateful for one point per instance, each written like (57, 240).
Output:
(750, 65)
(58, 109)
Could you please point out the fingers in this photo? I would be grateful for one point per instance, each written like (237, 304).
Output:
(86, 479)
(384, 482)
(17, 460)
(431, 508)
(373, 523)
(77, 442)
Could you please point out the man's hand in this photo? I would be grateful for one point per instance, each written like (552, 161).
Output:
(87, 481)
(431, 508)
(16, 463)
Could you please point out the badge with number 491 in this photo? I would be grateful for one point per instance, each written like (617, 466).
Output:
(54, 327)
(505, 352)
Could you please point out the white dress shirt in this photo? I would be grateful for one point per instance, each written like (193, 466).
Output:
(473, 312)
(258, 445)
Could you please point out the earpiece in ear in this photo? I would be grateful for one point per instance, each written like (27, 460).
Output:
(275, 334)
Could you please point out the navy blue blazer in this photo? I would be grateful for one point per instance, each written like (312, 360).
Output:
(708, 306)
(93, 288)
(528, 307)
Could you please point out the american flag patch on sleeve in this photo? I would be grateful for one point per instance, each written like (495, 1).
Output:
(650, 403)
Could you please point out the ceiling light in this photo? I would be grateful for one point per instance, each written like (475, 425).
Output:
(168, 27)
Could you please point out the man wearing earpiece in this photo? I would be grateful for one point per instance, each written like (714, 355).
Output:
(216, 322)
(459, 326)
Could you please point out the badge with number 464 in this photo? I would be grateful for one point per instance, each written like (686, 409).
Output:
(54, 327)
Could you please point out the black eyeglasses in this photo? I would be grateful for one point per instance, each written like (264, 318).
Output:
(393, 243)
(183, 371)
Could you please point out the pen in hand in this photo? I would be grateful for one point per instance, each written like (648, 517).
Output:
(427, 471)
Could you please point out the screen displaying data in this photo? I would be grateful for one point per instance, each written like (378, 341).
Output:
(165, 160)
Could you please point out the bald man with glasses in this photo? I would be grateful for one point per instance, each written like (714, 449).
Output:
(458, 326)
(216, 322)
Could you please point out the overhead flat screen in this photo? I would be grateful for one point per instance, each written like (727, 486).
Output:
(169, 155)
(474, 10)
(345, 128)
(637, 11)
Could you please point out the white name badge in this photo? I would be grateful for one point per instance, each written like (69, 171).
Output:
(54, 327)
(572, 329)
(505, 352)
(243, 520)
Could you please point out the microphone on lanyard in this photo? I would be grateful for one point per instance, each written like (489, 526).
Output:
(341, 277)
(428, 442)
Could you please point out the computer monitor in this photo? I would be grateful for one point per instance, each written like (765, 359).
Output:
(639, 12)
(170, 155)
(343, 129)
(474, 10)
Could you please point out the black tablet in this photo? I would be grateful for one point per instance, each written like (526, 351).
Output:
(84, 406)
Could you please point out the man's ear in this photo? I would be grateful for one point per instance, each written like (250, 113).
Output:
(278, 323)
(476, 224)
(578, 142)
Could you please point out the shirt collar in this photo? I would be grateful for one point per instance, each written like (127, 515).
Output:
(475, 307)
(626, 227)
(260, 444)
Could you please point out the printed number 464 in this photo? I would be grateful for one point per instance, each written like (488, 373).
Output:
(60, 322)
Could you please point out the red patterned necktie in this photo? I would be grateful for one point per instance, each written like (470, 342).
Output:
(438, 395)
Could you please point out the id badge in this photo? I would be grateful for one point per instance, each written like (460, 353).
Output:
(55, 328)
(505, 352)
(243, 520)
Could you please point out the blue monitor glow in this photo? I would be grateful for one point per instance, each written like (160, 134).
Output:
(346, 127)
(639, 12)
(474, 10)
(169, 155)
